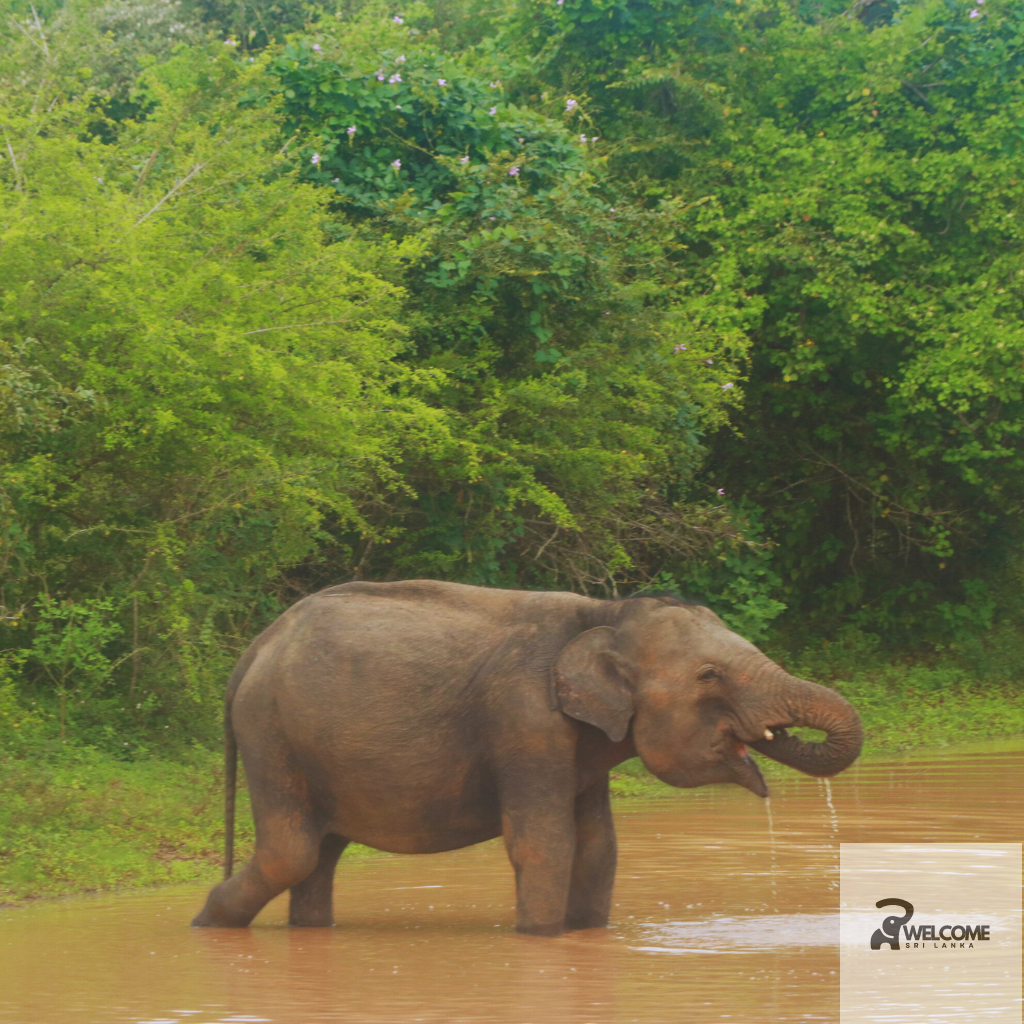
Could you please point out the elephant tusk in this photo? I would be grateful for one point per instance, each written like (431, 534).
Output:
(768, 734)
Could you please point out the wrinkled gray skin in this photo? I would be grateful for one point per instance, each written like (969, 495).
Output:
(422, 716)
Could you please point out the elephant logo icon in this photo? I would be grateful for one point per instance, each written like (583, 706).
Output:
(889, 933)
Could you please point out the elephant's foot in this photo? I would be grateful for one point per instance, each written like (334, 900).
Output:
(533, 928)
(595, 919)
(205, 920)
(221, 913)
(310, 913)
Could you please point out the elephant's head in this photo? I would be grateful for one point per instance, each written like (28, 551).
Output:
(698, 696)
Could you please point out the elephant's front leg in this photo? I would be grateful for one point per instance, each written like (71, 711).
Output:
(593, 866)
(540, 839)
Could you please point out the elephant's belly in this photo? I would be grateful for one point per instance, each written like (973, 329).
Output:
(418, 842)
(410, 814)
(427, 827)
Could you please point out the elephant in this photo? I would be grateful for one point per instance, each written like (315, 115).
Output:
(889, 933)
(422, 716)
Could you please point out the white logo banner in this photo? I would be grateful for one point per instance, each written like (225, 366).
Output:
(930, 933)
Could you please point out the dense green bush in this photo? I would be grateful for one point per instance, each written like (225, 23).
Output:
(174, 435)
(594, 294)
(863, 188)
(584, 383)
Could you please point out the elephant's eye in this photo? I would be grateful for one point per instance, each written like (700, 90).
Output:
(708, 674)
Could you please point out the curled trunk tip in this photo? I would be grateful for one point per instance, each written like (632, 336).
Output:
(815, 707)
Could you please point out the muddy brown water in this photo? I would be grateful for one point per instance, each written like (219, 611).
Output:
(717, 917)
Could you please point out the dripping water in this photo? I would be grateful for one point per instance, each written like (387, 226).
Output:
(826, 786)
(771, 846)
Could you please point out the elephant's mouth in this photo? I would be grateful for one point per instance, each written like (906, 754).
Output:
(745, 770)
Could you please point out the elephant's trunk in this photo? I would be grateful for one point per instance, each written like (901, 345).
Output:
(801, 703)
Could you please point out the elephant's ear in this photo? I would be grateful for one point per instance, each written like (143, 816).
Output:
(589, 683)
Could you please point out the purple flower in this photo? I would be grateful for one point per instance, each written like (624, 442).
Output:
(514, 171)
(316, 46)
(679, 348)
(611, 209)
(230, 42)
(380, 76)
(315, 159)
(607, 312)
(398, 19)
(398, 106)
(593, 138)
(710, 362)
(334, 181)
(725, 387)
(721, 490)
(492, 111)
(975, 13)
(464, 160)
(350, 130)
(396, 164)
(496, 84)
(400, 59)
(583, 138)
(570, 105)
(442, 81)
(394, 79)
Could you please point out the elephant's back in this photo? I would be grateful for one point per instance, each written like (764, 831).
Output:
(371, 669)
(359, 642)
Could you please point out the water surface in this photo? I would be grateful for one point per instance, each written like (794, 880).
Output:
(717, 918)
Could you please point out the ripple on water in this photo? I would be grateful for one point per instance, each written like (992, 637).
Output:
(742, 935)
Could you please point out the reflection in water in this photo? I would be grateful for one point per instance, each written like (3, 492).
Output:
(719, 916)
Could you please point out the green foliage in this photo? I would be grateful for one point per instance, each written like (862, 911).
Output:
(880, 237)
(739, 580)
(582, 383)
(599, 294)
(232, 379)
(866, 183)
(202, 393)
(69, 644)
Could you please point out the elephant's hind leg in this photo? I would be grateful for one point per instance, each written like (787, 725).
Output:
(283, 859)
(287, 844)
(311, 904)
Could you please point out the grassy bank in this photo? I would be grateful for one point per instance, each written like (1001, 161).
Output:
(82, 821)
(85, 822)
